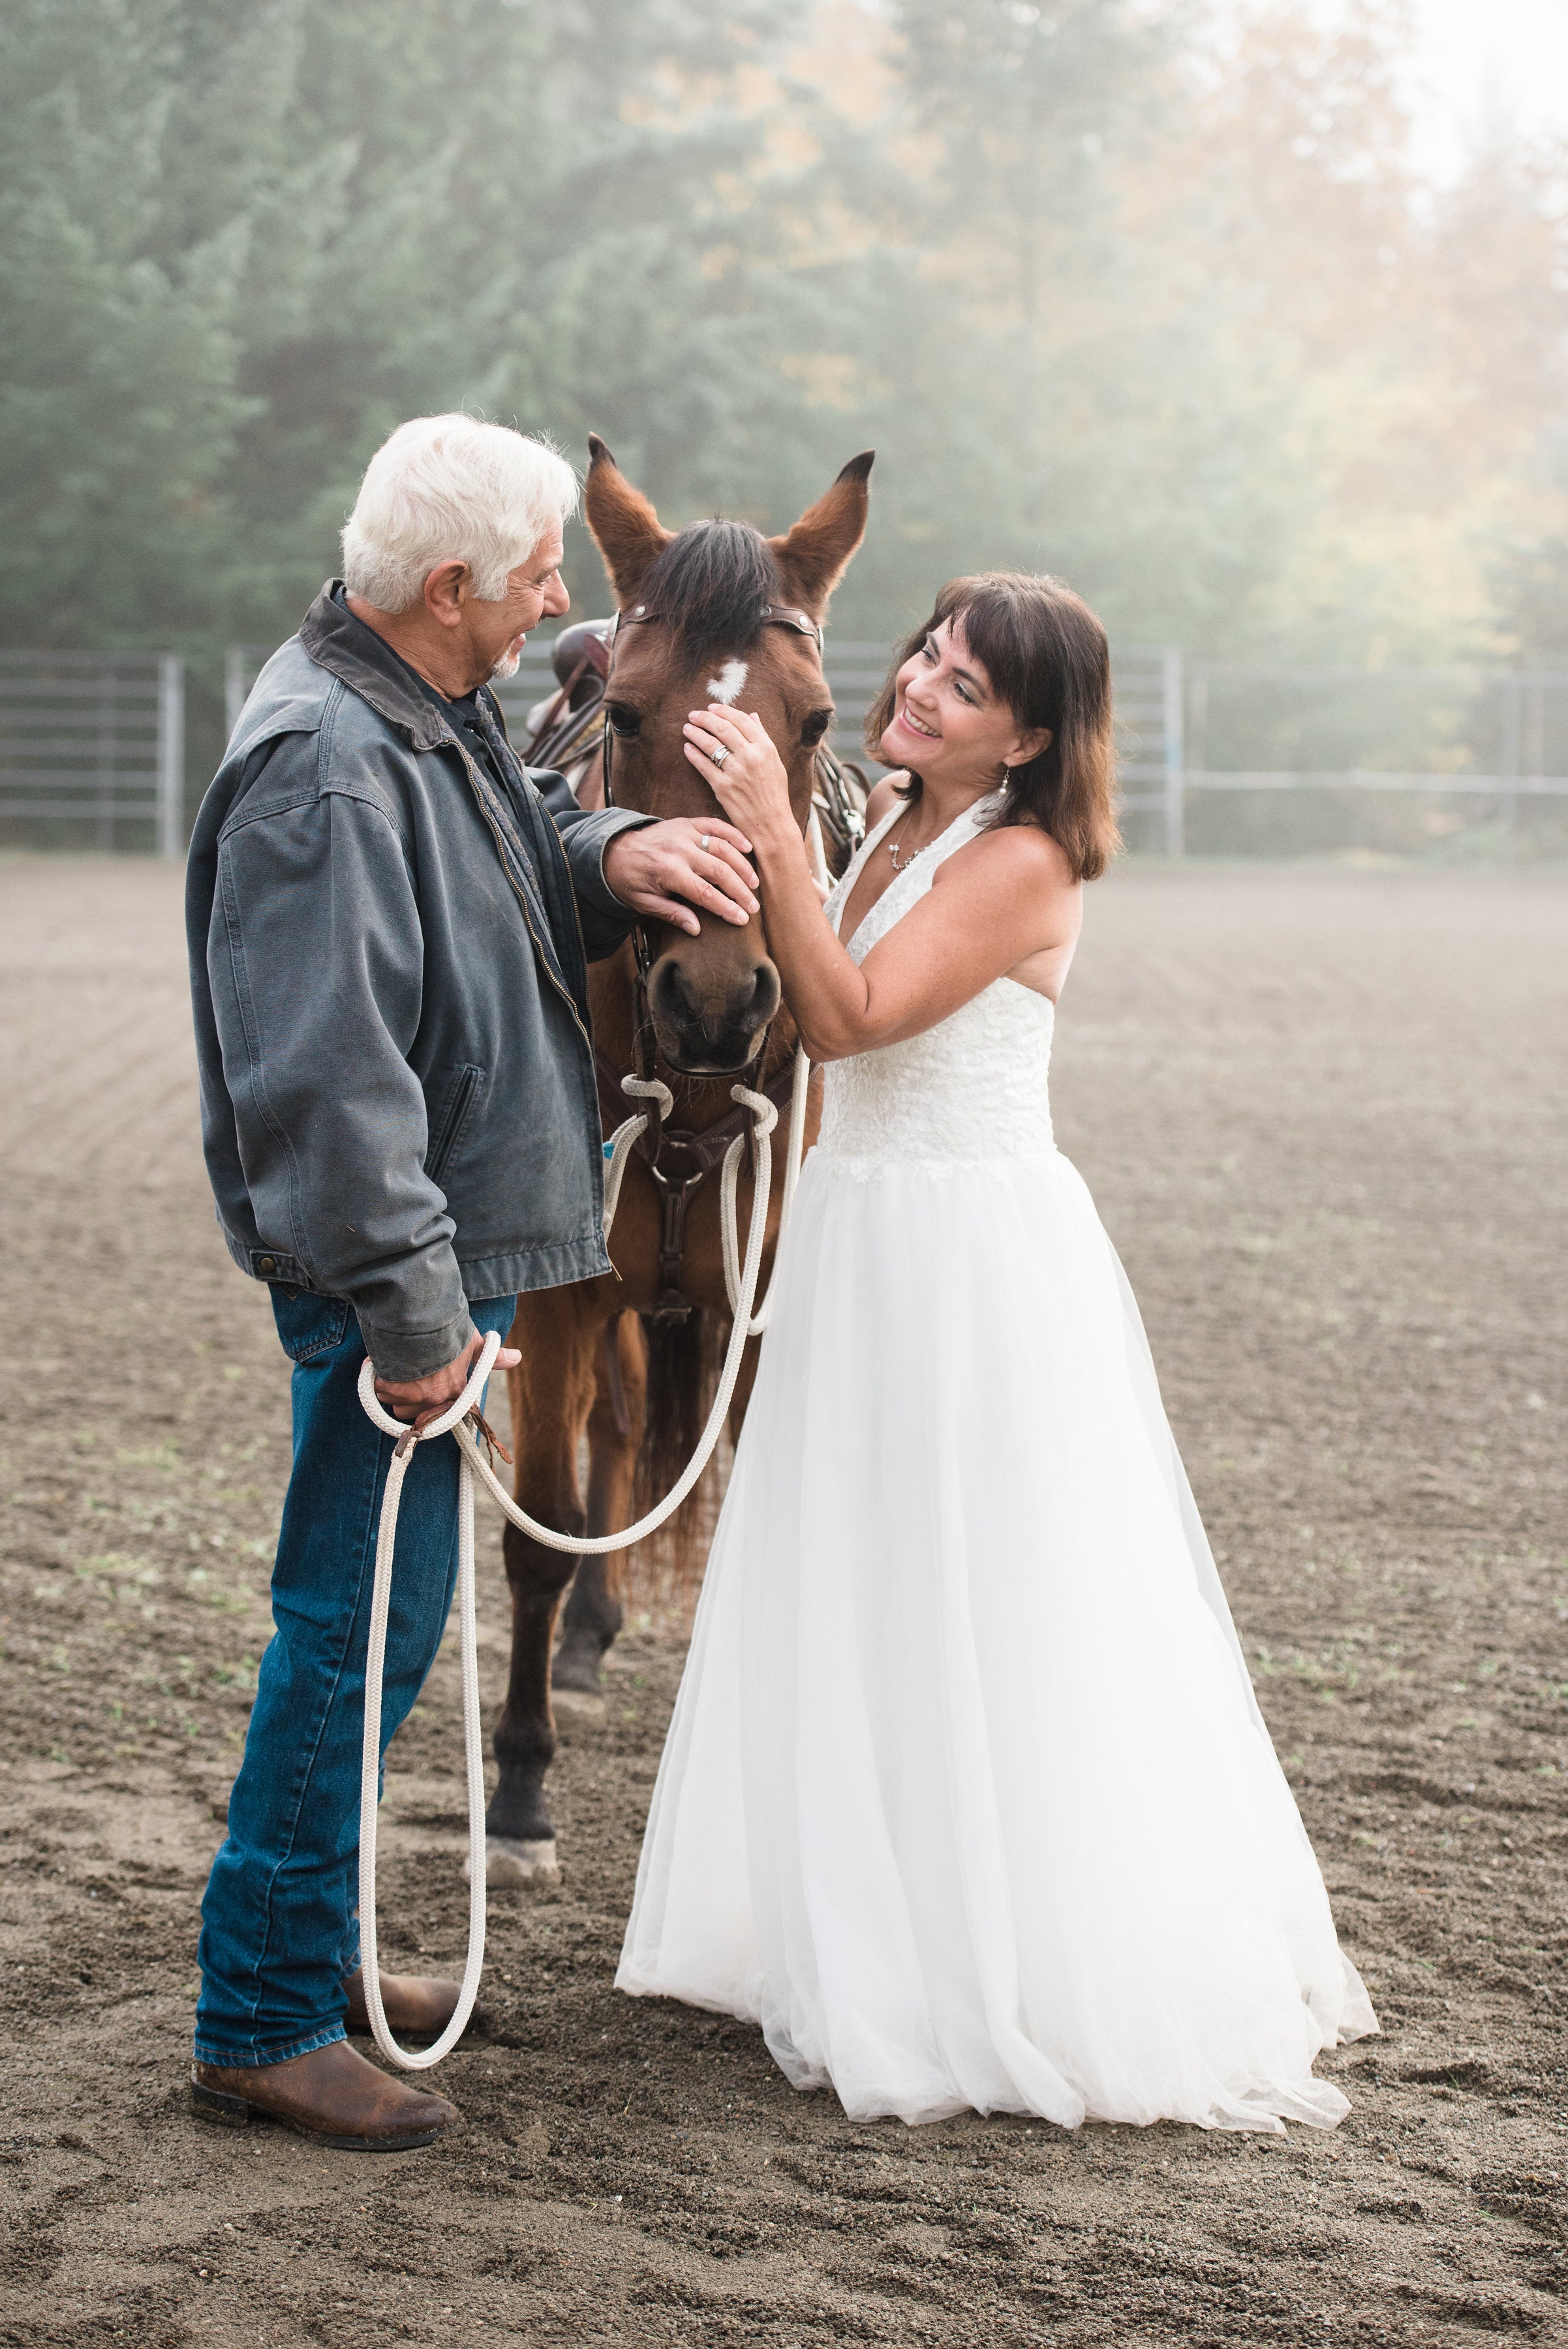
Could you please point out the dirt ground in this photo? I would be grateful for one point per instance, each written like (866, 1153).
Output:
(1323, 1114)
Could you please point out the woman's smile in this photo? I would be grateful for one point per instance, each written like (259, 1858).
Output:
(908, 718)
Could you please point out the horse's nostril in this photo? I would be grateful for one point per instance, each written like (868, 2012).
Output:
(672, 994)
(764, 999)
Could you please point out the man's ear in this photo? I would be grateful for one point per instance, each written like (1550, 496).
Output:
(626, 532)
(814, 555)
(443, 587)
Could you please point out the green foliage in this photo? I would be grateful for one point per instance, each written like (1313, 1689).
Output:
(242, 242)
(120, 400)
(1158, 316)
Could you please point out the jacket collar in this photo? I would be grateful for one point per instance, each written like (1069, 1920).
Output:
(335, 640)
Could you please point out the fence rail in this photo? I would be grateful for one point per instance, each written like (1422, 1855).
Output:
(96, 738)
(1497, 736)
(1373, 779)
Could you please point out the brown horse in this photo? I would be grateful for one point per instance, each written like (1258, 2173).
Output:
(714, 611)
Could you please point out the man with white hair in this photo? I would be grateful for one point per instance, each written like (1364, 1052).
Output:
(389, 922)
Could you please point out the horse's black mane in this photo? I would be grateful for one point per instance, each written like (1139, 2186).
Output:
(712, 583)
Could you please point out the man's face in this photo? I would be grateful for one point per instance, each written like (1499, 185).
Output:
(497, 631)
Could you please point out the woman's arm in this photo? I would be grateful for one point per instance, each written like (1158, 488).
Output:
(1004, 896)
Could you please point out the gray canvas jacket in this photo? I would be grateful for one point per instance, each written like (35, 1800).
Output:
(389, 972)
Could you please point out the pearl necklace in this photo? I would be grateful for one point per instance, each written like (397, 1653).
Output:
(893, 844)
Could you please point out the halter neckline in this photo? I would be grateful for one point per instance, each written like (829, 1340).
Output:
(901, 872)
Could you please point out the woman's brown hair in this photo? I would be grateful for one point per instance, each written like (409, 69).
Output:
(1047, 657)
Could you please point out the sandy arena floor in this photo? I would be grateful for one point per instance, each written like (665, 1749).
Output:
(1323, 1114)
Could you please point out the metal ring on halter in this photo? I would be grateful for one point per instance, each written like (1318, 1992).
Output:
(718, 754)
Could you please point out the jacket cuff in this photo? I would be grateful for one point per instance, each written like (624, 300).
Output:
(608, 824)
(415, 1353)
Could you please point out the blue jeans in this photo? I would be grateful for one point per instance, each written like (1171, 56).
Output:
(279, 1921)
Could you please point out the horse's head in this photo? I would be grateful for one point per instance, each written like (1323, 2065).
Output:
(716, 612)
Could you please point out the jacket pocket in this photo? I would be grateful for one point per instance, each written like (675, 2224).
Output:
(447, 1131)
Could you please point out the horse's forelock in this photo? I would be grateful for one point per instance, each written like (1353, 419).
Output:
(712, 584)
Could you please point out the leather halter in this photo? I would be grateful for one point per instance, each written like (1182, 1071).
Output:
(678, 1159)
(772, 615)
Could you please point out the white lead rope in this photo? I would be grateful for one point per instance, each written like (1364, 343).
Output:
(740, 1280)
(729, 1189)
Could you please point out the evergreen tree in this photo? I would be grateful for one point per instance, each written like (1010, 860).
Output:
(1142, 298)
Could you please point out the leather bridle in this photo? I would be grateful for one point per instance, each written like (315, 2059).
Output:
(772, 615)
(679, 1158)
(775, 615)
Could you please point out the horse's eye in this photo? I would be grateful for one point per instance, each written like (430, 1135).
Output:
(816, 727)
(624, 719)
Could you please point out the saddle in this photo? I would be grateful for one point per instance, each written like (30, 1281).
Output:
(578, 656)
(567, 728)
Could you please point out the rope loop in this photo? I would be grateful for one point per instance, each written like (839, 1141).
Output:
(458, 1421)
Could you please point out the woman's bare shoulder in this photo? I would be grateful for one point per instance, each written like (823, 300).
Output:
(1014, 855)
(881, 796)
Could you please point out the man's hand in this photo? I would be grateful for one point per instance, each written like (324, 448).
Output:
(659, 867)
(419, 1400)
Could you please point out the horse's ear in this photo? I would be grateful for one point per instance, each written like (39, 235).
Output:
(626, 530)
(814, 555)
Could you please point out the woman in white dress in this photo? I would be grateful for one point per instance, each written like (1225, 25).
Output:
(966, 1800)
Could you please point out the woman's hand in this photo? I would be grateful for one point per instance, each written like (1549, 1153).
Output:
(749, 781)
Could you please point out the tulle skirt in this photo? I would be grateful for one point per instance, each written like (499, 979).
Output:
(967, 1801)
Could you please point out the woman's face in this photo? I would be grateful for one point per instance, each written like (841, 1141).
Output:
(948, 723)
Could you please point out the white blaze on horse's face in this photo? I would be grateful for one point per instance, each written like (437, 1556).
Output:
(727, 686)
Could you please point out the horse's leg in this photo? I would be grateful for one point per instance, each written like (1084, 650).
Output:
(551, 1391)
(593, 1612)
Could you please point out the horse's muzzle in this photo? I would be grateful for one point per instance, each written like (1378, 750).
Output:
(711, 1023)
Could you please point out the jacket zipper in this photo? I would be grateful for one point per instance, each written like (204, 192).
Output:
(563, 992)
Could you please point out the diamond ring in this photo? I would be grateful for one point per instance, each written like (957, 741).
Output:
(718, 754)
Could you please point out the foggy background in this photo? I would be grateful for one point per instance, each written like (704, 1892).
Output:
(1248, 320)
(1251, 322)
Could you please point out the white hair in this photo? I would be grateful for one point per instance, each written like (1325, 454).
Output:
(446, 486)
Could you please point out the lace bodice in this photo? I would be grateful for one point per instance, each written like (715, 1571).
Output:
(973, 1087)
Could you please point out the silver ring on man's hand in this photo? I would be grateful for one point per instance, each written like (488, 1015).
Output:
(706, 842)
(718, 754)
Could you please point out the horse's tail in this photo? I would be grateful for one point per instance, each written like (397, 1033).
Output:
(684, 1360)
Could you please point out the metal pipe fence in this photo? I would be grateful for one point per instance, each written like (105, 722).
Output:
(1146, 680)
(95, 739)
(95, 742)
(1495, 739)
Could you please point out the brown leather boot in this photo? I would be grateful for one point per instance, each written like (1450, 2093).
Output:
(418, 2007)
(332, 2095)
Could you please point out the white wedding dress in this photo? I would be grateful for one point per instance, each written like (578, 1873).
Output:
(966, 1800)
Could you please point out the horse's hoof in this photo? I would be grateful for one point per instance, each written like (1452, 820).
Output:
(508, 1862)
(578, 1704)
